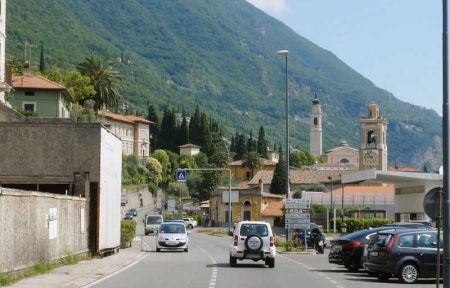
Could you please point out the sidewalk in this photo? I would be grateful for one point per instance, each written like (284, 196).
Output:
(85, 272)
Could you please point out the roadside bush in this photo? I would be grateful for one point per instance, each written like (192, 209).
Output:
(127, 231)
(355, 224)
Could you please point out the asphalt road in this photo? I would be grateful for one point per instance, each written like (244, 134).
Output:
(206, 265)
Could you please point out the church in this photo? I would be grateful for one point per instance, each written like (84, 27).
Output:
(372, 152)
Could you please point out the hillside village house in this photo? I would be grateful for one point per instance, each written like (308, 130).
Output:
(247, 204)
(189, 149)
(134, 132)
(44, 97)
(243, 173)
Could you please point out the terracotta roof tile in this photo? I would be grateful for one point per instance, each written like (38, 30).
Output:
(299, 176)
(35, 82)
(135, 118)
(189, 146)
(265, 162)
(274, 209)
(116, 117)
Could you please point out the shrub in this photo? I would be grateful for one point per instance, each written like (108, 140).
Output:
(127, 230)
(355, 224)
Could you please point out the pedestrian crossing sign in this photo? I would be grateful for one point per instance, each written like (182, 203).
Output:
(181, 175)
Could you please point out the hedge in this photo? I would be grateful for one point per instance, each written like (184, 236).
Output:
(127, 230)
(355, 224)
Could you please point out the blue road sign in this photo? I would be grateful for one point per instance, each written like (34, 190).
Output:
(181, 175)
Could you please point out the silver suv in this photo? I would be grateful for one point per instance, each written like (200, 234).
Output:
(253, 240)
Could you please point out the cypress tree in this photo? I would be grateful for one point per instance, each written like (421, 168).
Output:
(42, 60)
(153, 116)
(195, 128)
(278, 184)
(262, 144)
(183, 133)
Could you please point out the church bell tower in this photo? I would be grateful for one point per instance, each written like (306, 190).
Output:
(315, 128)
(373, 147)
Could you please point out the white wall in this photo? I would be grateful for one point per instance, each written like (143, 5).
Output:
(110, 190)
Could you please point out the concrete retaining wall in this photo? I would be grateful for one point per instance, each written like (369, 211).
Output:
(137, 196)
(27, 224)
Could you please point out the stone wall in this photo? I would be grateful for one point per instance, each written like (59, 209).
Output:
(27, 224)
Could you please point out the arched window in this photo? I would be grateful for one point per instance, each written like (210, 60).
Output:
(316, 121)
(344, 161)
(247, 203)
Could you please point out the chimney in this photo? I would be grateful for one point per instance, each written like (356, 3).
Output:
(261, 186)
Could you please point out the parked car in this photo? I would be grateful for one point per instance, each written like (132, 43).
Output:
(408, 254)
(190, 223)
(411, 225)
(151, 223)
(172, 236)
(128, 215)
(349, 250)
(134, 211)
(253, 240)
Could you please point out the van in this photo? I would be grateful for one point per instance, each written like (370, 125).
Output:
(151, 223)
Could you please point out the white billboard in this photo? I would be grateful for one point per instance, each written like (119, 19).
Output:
(234, 196)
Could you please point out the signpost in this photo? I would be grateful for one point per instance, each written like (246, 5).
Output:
(181, 175)
(297, 215)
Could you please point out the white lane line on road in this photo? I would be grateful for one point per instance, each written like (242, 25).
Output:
(333, 282)
(340, 286)
(214, 272)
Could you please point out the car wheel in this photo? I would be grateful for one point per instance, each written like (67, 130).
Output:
(383, 276)
(233, 261)
(408, 273)
(186, 249)
(158, 250)
(353, 267)
(190, 226)
(270, 262)
(253, 243)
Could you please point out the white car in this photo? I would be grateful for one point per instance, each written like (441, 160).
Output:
(172, 236)
(190, 223)
(253, 240)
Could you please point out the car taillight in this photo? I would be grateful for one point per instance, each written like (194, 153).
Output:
(351, 245)
(390, 244)
(271, 241)
(235, 240)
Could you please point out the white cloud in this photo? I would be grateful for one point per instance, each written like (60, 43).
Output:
(271, 7)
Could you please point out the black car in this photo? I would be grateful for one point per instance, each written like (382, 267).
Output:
(134, 211)
(408, 254)
(349, 249)
(411, 225)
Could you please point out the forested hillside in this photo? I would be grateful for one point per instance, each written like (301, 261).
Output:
(220, 55)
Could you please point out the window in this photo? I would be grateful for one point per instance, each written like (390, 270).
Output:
(344, 161)
(406, 241)
(28, 106)
(29, 93)
(315, 121)
(427, 240)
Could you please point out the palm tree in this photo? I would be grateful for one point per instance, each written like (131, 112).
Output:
(105, 80)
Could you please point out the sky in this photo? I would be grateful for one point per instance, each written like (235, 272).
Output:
(397, 44)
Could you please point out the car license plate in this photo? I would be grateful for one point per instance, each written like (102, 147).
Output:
(171, 243)
(373, 253)
(253, 256)
(337, 247)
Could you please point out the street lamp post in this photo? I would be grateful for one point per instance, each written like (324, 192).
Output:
(331, 199)
(285, 54)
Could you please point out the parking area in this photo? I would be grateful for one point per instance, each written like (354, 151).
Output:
(340, 277)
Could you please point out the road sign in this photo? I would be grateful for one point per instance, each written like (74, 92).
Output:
(431, 203)
(181, 175)
(297, 226)
(297, 203)
(307, 216)
(296, 220)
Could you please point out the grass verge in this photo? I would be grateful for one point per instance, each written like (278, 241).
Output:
(41, 268)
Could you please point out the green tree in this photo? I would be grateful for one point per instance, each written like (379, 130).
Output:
(167, 134)
(105, 80)
(183, 133)
(201, 160)
(301, 158)
(251, 143)
(187, 161)
(278, 184)
(153, 116)
(154, 169)
(84, 114)
(252, 160)
(262, 143)
(163, 159)
(241, 147)
(195, 127)
(42, 60)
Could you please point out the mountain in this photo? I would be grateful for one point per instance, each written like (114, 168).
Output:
(220, 55)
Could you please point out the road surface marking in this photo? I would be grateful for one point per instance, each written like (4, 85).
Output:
(214, 272)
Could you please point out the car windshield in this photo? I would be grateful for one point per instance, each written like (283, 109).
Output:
(254, 229)
(154, 220)
(172, 228)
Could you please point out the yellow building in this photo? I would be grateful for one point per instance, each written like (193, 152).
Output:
(246, 204)
(242, 173)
